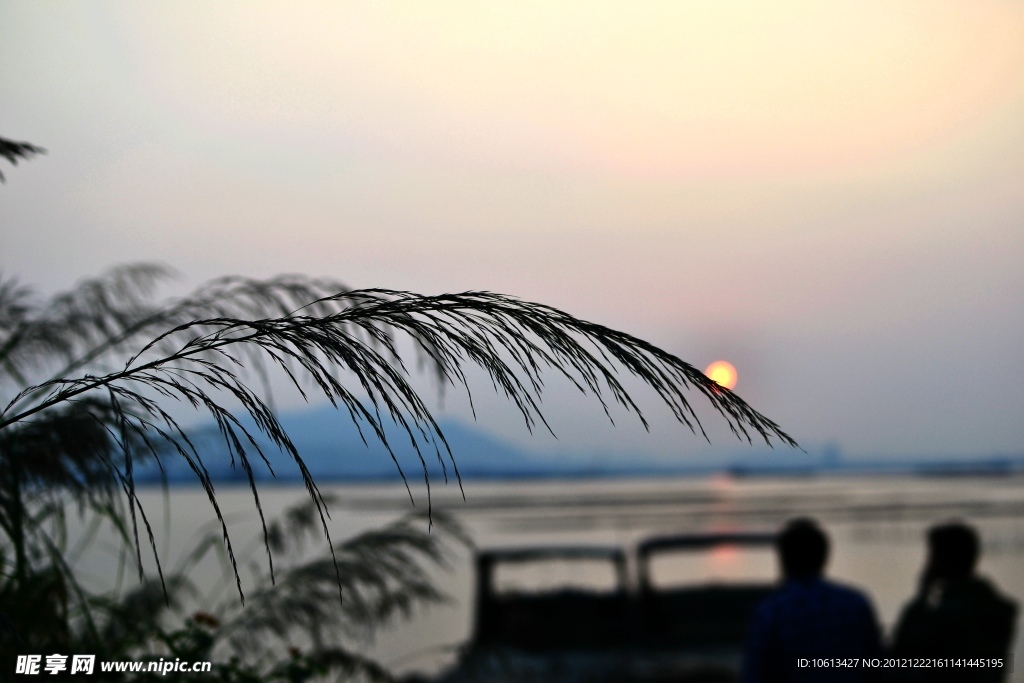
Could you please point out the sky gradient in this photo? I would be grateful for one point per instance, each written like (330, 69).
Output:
(829, 196)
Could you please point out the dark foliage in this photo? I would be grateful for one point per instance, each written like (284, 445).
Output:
(116, 360)
(13, 151)
(91, 380)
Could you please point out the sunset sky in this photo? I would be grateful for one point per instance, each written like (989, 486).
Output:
(828, 195)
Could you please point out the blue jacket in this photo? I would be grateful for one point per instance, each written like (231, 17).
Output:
(807, 630)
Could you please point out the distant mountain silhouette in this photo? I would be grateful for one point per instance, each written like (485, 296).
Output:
(332, 449)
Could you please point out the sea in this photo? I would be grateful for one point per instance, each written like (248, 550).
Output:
(876, 524)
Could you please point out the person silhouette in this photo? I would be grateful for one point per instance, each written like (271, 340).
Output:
(956, 615)
(809, 626)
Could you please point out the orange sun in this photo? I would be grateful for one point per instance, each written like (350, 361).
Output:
(722, 372)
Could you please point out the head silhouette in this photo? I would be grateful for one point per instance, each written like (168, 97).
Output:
(803, 549)
(953, 550)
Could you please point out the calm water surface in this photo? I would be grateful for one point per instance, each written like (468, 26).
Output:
(877, 527)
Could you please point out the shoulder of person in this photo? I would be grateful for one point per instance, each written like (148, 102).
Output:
(851, 593)
(983, 591)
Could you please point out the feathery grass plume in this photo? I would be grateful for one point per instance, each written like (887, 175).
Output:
(296, 624)
(105, 360)
(387, 574)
